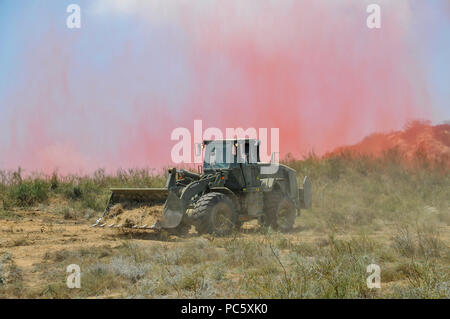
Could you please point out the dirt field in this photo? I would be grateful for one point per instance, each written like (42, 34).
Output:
(39, 245)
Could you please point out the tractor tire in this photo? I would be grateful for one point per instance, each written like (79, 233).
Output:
(214, 213)
(279, 212)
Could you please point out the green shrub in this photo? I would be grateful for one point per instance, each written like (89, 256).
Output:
(28, 193)
(54, 182)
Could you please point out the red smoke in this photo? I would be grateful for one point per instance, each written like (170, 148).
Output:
(312, 69)
(319, 75)
(418, 141)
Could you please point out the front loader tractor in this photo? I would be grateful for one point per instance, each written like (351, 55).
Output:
(233, 187)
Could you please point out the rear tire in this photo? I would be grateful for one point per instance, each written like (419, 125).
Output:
(214, 213)
(279, 212)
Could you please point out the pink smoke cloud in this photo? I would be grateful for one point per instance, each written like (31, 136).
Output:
(312, 69)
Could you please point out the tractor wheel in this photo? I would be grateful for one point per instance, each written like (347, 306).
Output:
(279, 212)
(214, 213)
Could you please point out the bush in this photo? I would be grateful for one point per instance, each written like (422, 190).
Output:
(54, 183)
(425, 242)
(425, 280)
(28, 193)
(124, 267)
(338, 270)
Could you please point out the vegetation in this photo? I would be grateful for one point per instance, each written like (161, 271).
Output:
(90, 191)
(365, 210)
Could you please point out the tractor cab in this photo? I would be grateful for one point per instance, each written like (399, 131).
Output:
(230, 153)
(237, 159)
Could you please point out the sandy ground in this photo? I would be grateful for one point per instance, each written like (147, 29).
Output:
(28, 240)
(35, 234)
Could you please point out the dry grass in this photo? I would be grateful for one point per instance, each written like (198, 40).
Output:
(365, 211)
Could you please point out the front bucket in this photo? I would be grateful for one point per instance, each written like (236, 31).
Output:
(173, 212)
(131, 199)
(141, 201)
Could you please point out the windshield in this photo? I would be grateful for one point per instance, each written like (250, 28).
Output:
(221, 154)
